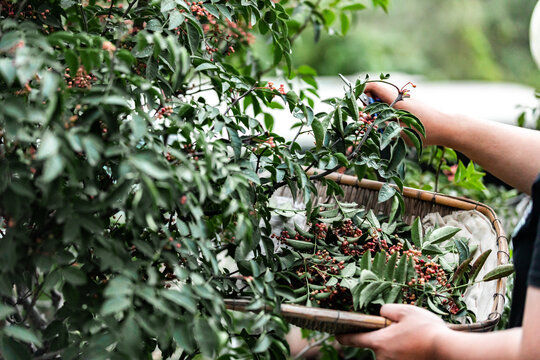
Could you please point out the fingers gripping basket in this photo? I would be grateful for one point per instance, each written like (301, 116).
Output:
(418, 203)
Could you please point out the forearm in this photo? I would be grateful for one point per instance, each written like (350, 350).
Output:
(508, 152)
(502, 345)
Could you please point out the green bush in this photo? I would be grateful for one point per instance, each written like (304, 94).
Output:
(121, 185)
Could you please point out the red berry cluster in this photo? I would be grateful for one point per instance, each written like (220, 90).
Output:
(365, 121)
(82, 79)
(320, 267)
(7, 9)
(281, 89)
(164, 112)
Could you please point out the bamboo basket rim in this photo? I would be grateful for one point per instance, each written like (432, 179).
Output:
(359, 322)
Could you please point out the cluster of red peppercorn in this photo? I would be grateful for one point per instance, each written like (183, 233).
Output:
(281, 89)
(316, 272)
(217, 33)
(365, 121)
(164, 112)
(81, 80)
(8, 9)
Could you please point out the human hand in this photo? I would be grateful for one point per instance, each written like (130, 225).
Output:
(412, 335)
(437, 124)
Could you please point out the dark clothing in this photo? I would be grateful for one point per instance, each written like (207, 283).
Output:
(526, 241)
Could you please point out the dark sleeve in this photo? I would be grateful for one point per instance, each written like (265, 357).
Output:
(534, 271)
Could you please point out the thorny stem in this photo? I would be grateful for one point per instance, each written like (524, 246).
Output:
(235, 101)
(129, 8)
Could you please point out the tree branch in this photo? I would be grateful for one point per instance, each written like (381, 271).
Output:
(310, 346)
(108, 17)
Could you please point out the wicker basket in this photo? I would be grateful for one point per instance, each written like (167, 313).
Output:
(417, 203)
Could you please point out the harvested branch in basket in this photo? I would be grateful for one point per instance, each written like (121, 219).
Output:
(356, 261)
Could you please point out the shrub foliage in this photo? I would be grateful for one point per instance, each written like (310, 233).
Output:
(137, 150)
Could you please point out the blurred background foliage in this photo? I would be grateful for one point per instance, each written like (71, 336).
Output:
(441, 40)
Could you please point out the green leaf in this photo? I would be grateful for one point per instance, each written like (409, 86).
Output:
(386, 193)
(442, 234)
(182, 298)
(23, 334)
(263, 343)
(8, 70)
(349, 270)
(194, 38)
(370, 292)
(415, 139)
(149, 166)
(318, 132)
(236, 142)
(417, 233)
(434, 308)
(167, 5)
(72, 61)
(463, 250)
(399, 151)
(5, 311)
(49, 146)
(477, 265)
(392, 295)
(379, 263)
(392, 130)
(400, 275)
(300, 245)
(365, 262)
(206, 337)
(115, 305)
(183, 335)
(74, 275)
(52, 169)
(354, 7)
(390, 267)
(345, 23)
(499, 272)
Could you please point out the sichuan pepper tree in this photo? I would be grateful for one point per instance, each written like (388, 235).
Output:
(136, 145)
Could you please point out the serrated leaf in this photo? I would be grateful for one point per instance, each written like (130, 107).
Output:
(349, 270)
(386, 193)
(333, 281)
(379, 262)
(400, 274)
(392, 131)
(365, 261)
(417, 233)
(370, 292)
(349, 283)
(390, 267)
(23, 334)
(368, 276)
(392, 295)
